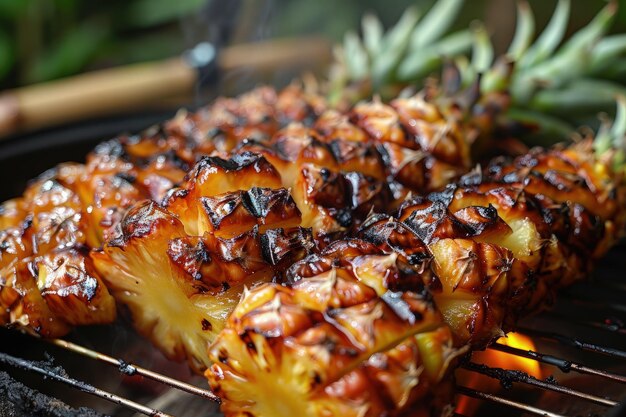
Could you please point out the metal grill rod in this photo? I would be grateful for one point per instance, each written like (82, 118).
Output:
(519, 376)
(571, 342)
(499, 400)
(563, 364)
(82, 386)
(132, 369)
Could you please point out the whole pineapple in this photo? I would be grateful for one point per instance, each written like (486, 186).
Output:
(487, 250)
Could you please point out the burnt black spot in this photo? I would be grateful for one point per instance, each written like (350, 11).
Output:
(424, 222)
(317, 379)
(256, 201)
(237, 162)
(206, 325)
(219, 208)
(511, 178)
(444, 197)
(417, 258)
(344, 217)
(384, 155)
(395, 301)
(489, 212)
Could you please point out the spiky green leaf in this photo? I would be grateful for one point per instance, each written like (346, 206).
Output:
(605, 53)
(394, 45)
(355, 56)
(550, 38)
(482, 53)
(591, 33)
(435, 23)
(372, 34)
(524, 31)
(420, 64)
(580, 97)
(618, 130)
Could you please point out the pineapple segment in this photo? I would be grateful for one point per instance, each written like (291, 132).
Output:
(27, 308)
(72, 289)
(474, 287)
(438, 134)
(230, 214)
(448, 252)
(329, 343)
(47, 280)
(213, 176)
(107, 188)
(180, 289)
(524, 241)
(166, 305)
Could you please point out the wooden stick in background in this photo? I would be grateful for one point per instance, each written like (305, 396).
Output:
(127, 88)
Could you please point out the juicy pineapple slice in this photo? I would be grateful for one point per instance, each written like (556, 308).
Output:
(180, 288)
(28, 309)
(330, 344)
(47, 281)
(167, 303)
(474, 287)
(469, 279)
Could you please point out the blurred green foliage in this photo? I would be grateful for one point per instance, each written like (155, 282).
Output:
(46, 39)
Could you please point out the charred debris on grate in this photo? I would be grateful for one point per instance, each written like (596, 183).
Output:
(16, 399)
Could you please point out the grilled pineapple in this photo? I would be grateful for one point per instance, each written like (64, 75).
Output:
(180, 268)
(332, 343)
(500, 243)
(47, 281)
(492, 247)
(211, 205)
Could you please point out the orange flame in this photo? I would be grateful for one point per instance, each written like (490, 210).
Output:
(495, 359)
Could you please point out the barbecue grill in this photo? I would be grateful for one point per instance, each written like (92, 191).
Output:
(580, 344)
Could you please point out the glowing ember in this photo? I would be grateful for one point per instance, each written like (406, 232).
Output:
(495, 359)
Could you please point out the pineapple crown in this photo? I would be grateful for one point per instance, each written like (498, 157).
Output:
(407, 53)
(553, 84)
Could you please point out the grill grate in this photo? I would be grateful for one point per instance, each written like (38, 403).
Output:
(506, 376)
(601, 297)
(59, 376)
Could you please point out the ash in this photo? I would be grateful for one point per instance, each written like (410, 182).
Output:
(17, 400)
